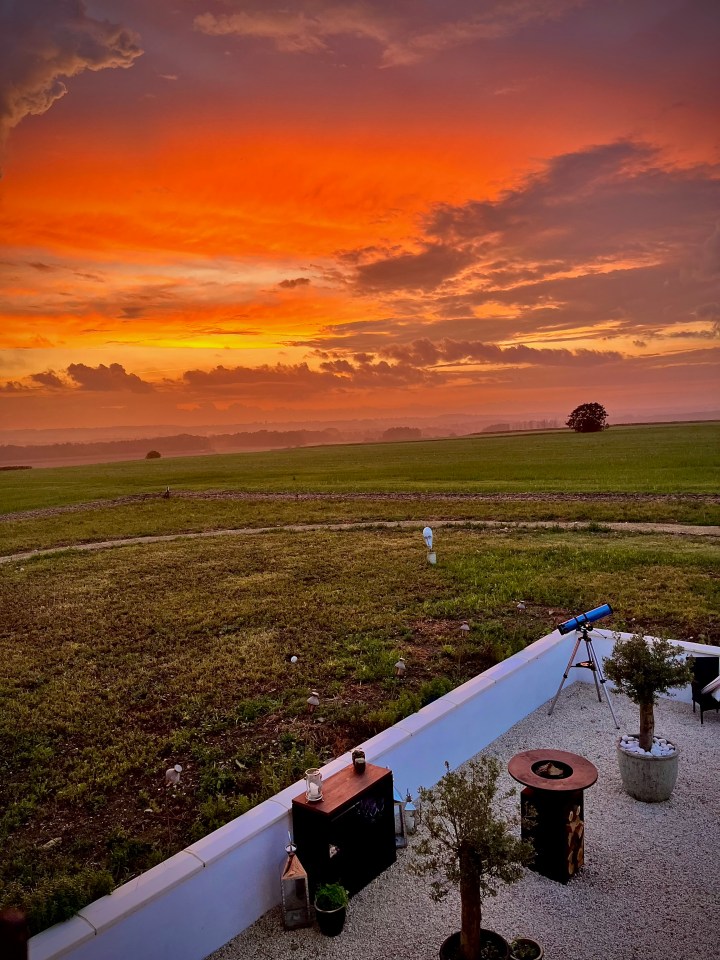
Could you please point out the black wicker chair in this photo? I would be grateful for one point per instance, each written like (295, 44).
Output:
(705, 669)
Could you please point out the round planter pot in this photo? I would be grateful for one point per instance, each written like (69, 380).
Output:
(450, 950)
(648, 778)
(331, 922)
(524, 948)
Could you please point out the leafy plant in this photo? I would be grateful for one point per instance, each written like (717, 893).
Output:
(523, 948)
(331, 896)
(643, 668)
(466, 844)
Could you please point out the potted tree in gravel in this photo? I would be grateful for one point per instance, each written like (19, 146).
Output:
(643, 668)
(466, 844)
(331, 900)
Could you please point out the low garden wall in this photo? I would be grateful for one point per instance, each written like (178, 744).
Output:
(193, 903)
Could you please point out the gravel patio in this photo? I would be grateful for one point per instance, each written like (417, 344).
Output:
(649, 888)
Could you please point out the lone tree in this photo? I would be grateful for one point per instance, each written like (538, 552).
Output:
(588, 418)
(152, 455)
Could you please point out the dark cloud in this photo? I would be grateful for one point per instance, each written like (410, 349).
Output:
(42, 42)
(414, 271)
(611, 201)
(426, 353)
(13, 386)
(104, 378)
(337, 373)
(710, 254)
(296, 282)
(605, 240)
(711, 313)
(405, 32)
(49, 379)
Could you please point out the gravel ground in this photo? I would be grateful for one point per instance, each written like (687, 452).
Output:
(649, 888)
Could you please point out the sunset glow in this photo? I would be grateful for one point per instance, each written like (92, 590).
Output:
(236, 211)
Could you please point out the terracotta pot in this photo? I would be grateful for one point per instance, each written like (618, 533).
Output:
(647, 778)
(450, 950)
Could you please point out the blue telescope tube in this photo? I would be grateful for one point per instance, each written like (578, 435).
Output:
(590, 617)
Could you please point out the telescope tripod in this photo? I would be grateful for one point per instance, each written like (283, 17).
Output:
(591, 663)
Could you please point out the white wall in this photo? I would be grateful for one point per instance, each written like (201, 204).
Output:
(193, 903)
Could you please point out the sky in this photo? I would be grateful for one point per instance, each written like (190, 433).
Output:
(222, 211)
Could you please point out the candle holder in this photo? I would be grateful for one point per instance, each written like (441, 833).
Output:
(313, 785)
(358, 761)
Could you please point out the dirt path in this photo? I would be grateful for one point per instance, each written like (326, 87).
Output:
(245, 496)
(672, 528)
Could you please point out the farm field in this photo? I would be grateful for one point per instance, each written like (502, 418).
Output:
(664, 458)
(117, 664)
(661, 474)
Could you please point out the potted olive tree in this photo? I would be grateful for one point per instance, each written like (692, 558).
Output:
(331, 900)
(643, 668)
(466, 844)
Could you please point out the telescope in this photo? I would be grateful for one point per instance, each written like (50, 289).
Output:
(581, 621)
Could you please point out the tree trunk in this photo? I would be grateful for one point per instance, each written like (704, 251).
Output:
(647, 725)
(470, 905)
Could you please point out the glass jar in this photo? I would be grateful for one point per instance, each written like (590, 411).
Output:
(313, 785)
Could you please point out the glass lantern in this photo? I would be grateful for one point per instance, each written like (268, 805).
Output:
(313, 785)
(295, 892)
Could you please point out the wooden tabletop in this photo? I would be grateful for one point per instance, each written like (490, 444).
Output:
(584, 774)
(343, 786)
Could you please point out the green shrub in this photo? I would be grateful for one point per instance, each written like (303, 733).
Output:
(216, 812)
(331, 896)
(60, 897)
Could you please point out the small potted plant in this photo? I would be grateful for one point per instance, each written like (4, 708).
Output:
(466, 844)
(524, 948)
(331, 900)
(643, 668)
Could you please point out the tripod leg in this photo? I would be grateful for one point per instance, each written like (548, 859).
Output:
(598, 673)
(565, 676)
(595, 667)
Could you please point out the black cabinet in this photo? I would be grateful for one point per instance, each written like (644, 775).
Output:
(348, 836)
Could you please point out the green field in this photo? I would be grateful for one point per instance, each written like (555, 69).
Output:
(116, 664)
(666, 458)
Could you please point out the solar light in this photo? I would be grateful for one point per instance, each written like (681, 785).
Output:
(313, 701)
(400, 668)
(428, 537)
(172, 775)
(464, 628)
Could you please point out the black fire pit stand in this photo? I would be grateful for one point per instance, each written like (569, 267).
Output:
(552, 809)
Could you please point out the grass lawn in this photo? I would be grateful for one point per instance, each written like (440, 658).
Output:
(116, 665)
(157, 516)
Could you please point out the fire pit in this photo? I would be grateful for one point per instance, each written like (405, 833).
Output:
(552, 808)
